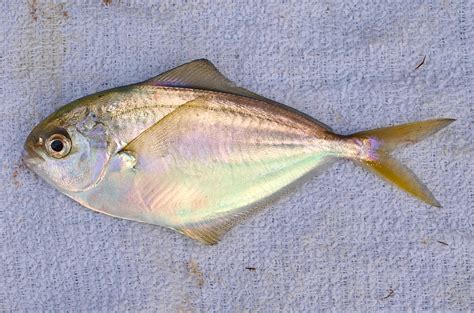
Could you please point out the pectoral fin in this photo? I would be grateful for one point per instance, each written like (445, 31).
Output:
(161, 175)
(155, 141)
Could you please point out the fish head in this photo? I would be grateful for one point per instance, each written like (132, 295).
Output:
(70, 149)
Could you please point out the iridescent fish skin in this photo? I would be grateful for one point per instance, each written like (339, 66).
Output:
(190, 151)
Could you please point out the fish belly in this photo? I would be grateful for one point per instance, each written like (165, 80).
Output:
(192, 191)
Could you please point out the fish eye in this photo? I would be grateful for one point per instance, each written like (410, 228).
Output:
(58, 146)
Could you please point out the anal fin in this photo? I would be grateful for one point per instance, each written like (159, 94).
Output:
(210, 232)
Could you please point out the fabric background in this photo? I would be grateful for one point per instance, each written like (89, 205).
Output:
(344, 241)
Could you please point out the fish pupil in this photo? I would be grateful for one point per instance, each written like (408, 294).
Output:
(57, 145)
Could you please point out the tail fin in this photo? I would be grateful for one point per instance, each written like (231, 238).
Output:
(382, 141)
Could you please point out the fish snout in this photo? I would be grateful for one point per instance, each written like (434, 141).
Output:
(30, 156)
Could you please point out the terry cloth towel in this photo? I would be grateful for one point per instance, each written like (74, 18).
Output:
(344, 241)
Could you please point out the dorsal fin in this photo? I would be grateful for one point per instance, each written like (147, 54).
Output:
(202, 74)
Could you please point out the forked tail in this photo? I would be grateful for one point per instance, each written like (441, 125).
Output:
(377, 144)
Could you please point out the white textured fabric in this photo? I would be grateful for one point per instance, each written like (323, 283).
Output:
(345, 241)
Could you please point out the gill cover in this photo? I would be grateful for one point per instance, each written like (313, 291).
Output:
(84, 167)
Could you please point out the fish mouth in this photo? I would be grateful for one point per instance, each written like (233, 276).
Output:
(30, 156)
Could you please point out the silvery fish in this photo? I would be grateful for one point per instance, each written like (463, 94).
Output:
(191, 151)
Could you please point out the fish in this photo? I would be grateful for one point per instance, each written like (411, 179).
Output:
(192, 151)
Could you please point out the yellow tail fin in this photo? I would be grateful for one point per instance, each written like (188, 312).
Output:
(383, 140)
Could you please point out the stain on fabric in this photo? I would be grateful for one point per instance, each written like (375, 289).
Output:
(33, 9)
(195, 271)
(20, 166)
(106, 2)
(43, 40)
(391, 292)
